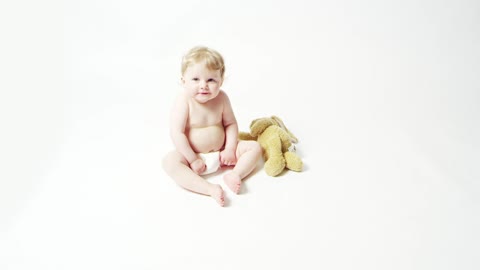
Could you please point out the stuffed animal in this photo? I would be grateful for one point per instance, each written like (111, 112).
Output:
(275, 140)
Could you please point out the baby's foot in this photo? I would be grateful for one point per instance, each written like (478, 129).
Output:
(233, 181)
(217, 194)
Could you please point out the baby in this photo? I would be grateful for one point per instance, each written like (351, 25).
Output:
(204, 130)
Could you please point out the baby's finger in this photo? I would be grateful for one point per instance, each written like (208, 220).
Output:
(225, 161)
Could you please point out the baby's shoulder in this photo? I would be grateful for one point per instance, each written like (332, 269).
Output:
(180, 103)
(222, 95)
(182, 95)
(181, 98)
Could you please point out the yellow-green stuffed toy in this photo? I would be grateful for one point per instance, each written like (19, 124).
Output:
(275, 139)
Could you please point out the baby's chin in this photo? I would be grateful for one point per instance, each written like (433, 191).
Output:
(203, 98)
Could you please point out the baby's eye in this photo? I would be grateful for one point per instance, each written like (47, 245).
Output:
(211, 80)
(195, 79)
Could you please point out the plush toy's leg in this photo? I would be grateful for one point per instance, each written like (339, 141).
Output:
(275, 161)
(177, 168)
(293, 161)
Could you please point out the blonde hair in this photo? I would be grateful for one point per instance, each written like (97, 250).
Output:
(213, 60)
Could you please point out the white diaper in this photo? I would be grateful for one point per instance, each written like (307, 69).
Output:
(212, 161)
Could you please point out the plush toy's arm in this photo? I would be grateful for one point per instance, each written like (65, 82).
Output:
(246, 136)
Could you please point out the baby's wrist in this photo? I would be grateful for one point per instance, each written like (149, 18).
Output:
(231, 149)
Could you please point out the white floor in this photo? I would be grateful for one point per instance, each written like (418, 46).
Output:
(384, 97)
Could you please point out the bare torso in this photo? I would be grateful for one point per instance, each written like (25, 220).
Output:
(204, 129)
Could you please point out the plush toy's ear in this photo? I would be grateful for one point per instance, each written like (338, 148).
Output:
(259, 125)
(280, 123)
(244, 136)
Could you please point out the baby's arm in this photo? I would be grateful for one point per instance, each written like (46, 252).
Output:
(231, 133)
(178, 122)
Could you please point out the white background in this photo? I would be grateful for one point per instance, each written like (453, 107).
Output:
(383, 95)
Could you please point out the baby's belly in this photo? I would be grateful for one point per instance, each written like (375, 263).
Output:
(206, 139)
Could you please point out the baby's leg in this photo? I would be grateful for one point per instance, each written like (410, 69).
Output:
(177, 168)
(248, 153)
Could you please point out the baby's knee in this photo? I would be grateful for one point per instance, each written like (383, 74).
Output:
(169, 160)
(256, 148)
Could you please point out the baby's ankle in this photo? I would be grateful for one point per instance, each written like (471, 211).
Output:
(214, 189)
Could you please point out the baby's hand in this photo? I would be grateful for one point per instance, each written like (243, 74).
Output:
(198, 166)
(227, 157)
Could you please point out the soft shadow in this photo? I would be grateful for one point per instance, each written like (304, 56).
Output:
(305, 167)
(243, 188)
(227, 202)
(255, 171)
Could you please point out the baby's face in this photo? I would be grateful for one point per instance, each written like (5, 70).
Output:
(201, 83)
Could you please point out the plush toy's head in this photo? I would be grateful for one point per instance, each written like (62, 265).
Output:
(258, 126)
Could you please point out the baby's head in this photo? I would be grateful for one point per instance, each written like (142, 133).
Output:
(212, 59)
